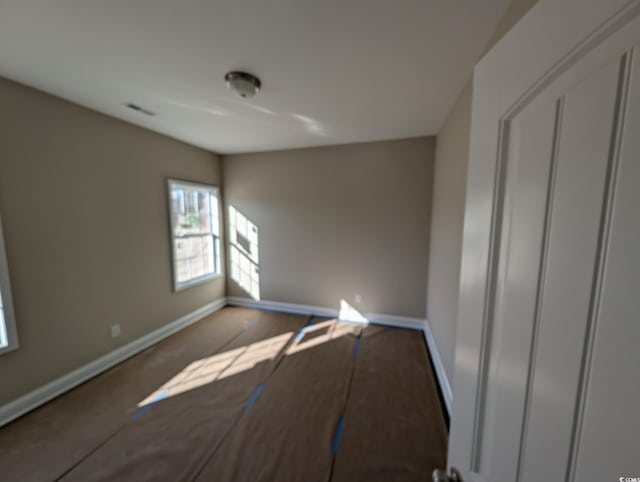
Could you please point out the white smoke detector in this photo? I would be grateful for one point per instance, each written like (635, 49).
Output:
(246, 85)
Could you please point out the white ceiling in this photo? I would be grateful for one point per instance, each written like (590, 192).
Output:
(333, 71)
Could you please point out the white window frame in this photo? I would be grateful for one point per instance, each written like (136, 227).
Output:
(8, 332)
(217, 251)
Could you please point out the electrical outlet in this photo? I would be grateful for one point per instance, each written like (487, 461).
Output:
(115, 331)
(358, 298)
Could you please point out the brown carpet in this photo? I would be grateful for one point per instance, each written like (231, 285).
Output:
(244, 395)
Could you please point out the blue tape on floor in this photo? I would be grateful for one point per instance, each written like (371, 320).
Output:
(142, 410)
(299, 336)
(356, 349)
(249, 324)
(255, 396)
(336, 437)
(301, 332)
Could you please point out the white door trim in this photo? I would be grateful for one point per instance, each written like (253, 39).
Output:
(552, 38)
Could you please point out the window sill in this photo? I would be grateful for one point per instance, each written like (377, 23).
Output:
(9, 348)
(196, 281)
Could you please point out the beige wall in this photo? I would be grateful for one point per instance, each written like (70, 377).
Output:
(447, 216)
(450, 183)
(339, 221)
(84, 208)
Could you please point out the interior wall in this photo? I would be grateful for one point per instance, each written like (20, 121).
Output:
(450, 183)
(84, 207)
(335, 222)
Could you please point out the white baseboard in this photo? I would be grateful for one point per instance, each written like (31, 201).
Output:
(380, 319)
(375, 318)
(280, 306)
(441, 374)
(39, 396)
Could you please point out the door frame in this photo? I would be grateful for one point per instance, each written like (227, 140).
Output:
(554, 36)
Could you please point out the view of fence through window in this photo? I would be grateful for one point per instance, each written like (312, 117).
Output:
(196, 232)
(243, 250)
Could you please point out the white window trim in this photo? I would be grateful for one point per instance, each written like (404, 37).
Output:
(179, 286)
(7, 300)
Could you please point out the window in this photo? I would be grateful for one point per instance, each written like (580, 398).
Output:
(195, 233)
(8, 336)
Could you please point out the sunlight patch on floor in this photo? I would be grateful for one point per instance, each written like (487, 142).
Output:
(330, 330)
(217, 367)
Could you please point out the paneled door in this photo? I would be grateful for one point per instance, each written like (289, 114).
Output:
(547, 380)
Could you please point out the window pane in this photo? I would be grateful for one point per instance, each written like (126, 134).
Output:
(195, 261)
(204, 212)
(216, 252)
(182, 253)
(194, 257)
(191, 211)
(7, 323)
(3, 331)
(215, 228)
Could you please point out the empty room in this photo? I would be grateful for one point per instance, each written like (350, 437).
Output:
(296, 240)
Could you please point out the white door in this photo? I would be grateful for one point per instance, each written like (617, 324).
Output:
(547, 381)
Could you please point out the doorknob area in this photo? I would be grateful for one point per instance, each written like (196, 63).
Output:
(440, 475)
